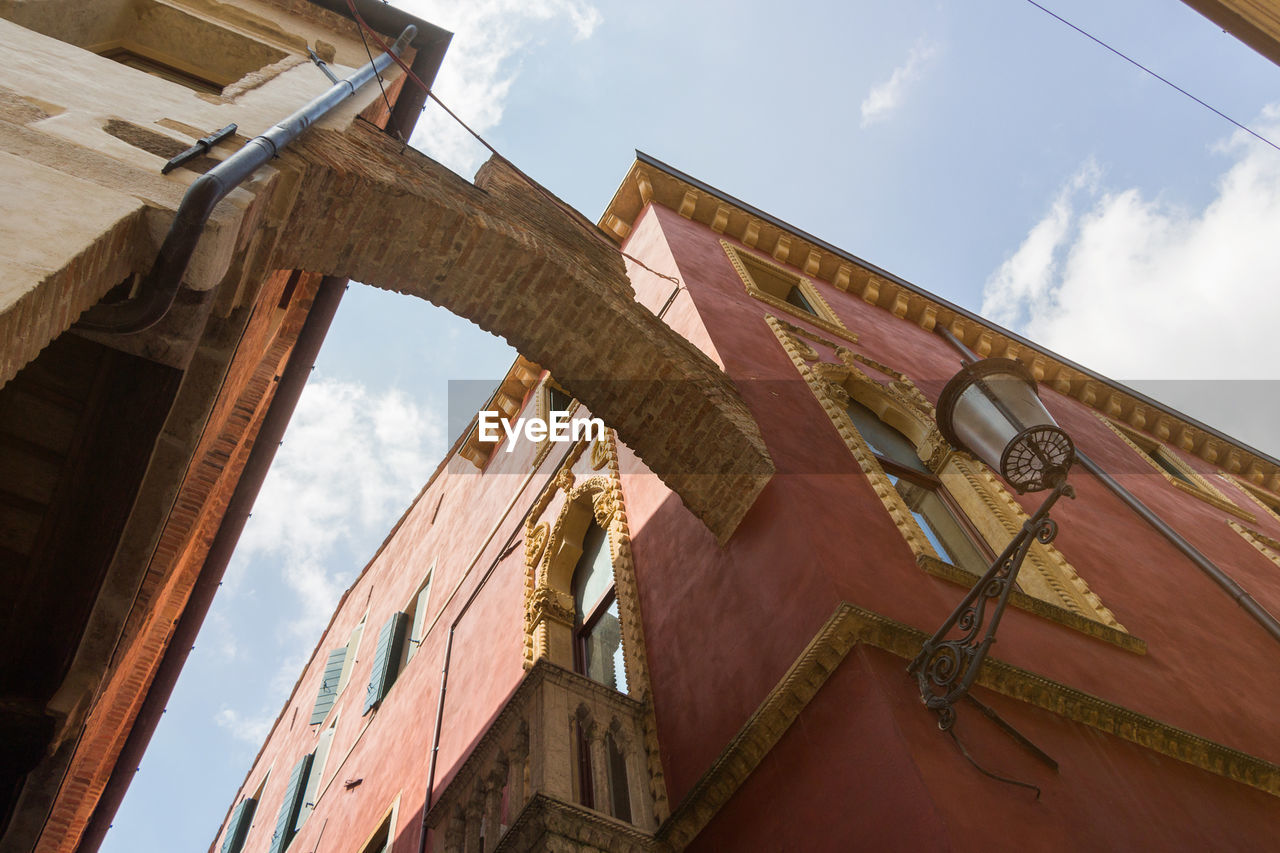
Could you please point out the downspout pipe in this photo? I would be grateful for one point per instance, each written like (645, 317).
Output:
(1238, 594)
(159, 288)
(289, 389)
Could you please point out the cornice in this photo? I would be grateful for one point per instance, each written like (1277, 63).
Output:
(651, 181)
(850, 625)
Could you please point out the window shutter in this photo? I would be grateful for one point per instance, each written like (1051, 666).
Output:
(311, 791)
(420, 617)
(238, 826)
(289, 808)
(386, 660)
(328, 692)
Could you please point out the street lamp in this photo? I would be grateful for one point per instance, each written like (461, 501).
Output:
(991, 409)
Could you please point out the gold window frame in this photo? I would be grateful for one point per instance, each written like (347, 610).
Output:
(1051, 587)
(825, 318)
(1199, 487)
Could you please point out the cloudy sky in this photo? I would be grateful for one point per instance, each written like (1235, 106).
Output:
(977, 148)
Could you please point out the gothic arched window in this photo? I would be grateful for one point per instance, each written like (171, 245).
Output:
(597, 629)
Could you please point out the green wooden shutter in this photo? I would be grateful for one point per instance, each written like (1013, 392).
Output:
(386, 660)
(289, 808)
(238, 826)
(328, 692)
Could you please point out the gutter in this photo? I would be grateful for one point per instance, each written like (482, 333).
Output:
(159, 288)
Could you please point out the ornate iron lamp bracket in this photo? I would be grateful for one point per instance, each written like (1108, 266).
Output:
(946, 669)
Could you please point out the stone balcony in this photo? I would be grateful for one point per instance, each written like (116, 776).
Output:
(563, 767)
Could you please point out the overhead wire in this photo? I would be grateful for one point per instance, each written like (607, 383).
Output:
(377, 75)
(573, 214)
(1164, 80)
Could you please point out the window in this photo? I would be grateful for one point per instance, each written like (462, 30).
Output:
(1263, 544)
(550, 398)
(952, 511)
(311, 792)
(1172, 467)
(386, 659)
(238, 825)
(418, 617)
(286, 821)
(380, 841)
(619, 790)
(784, 289)
(1270, 503)
(930, 504)
(163, 70)
(597, 625)
(337, 670)
(558, 400)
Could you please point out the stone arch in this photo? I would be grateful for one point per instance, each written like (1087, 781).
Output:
(520, 265)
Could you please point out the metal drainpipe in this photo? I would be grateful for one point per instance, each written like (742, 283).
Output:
(160, 286)
(292, 380)
(1238, 594)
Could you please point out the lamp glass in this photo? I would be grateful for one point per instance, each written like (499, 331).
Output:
(991, 409)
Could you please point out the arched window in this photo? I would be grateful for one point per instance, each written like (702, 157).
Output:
(941, 521)
(597, 629)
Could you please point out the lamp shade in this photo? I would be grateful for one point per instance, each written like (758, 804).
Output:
(991, 409)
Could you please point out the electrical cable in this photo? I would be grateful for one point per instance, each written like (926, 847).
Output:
(573, 214)
(378, 77)
(984, 771)
(1167, 82)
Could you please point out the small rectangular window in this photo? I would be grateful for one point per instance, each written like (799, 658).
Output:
(558, 400)
(163, 70)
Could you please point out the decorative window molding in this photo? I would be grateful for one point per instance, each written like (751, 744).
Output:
(380, 840)
(1270, 503)
(550, 392)
(1178, 473)
(785, 290)
(1046, 576)
(552, 548)
(1265, 545)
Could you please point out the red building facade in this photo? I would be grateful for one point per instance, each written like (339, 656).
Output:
(551, 652)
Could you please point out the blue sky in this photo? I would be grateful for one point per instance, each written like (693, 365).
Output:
(980, 149)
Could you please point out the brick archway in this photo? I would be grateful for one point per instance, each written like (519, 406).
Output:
(516, 264)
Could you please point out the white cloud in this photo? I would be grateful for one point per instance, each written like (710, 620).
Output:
(250, 729)
(887, 96)
(481, 66)
(1023, 284)
(352, 460)
(1137, 287)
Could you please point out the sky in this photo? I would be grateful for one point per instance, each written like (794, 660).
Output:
(977, 148)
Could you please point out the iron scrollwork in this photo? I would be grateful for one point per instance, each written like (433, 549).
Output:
(945, 669)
